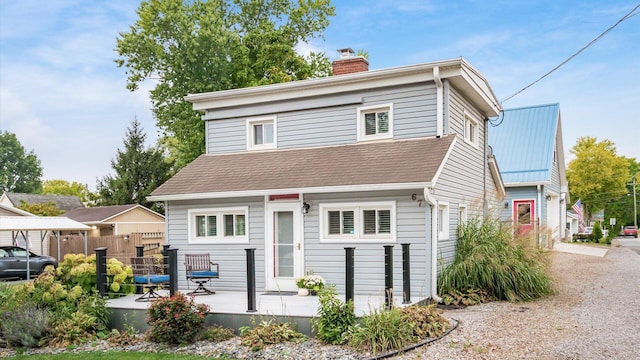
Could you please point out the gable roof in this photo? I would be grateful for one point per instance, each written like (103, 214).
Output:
(363, 166)
(12, 211)
(93, 215)
(62, 202)
(524, 143)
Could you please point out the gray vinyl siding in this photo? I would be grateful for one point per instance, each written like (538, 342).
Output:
(325, 259)
(230, 257)
(414, 113)
(461, 181)
(517, 193)
(328, 259)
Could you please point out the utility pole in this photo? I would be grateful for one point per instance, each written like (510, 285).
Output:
(635, 204)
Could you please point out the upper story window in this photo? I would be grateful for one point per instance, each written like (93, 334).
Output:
(375, 122)
(216, 226)
(470, 129)
(261, 133)
(364, 222)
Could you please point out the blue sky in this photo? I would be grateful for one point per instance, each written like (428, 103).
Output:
(63, 96)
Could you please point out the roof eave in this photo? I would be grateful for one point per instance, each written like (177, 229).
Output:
(309, 190)
(461, 73)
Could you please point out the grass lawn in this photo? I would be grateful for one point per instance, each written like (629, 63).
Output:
(111, 355)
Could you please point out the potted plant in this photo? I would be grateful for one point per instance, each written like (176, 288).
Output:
(311, 283)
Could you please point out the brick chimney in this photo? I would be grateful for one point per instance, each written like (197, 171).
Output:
(349, 63)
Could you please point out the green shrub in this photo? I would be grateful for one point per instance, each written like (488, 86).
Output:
(380, 331)
(269, 332)
(25, 325)
(489, 258)
(72, 330)
(335, 317)
(80, 270)
(217, 333)
(596, 233)
(175, 320)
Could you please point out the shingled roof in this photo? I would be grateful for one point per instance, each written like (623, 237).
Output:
(62, 202)
(414, 161)
(98, 214)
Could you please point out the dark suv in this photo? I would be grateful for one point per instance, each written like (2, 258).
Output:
(13, 262)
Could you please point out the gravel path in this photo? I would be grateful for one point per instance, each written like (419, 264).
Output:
(594, 315)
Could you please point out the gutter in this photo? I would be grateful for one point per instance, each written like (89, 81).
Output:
(433, 203)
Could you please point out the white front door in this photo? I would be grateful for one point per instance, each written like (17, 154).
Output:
(284, 247)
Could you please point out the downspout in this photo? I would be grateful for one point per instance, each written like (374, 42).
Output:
(439, 102)
(433, 204)
(538, 215)
(485, 163)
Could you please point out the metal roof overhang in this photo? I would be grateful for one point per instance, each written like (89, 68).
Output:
(39, 223)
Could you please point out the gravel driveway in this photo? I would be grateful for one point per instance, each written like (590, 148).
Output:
(594, 315)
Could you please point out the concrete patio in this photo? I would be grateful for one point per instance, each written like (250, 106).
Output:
(229, 309)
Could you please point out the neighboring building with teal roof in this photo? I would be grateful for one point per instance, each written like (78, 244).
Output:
(527, 143)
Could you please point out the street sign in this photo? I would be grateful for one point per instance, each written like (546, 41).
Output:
(612, 221)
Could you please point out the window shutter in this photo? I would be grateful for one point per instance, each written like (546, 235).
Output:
(240, 225)
(383, 122)
(347, 222)
(384, 222)
(200, 225)
(369, 221)
(334, 222)
(228, 225)
(212, 225)
(370, 124)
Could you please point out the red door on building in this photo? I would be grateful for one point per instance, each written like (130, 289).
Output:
(524, 215)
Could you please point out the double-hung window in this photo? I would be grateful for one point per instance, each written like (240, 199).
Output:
(375, 122)
(216, 226)
(364, 222)
(261, 133)
(470, 129)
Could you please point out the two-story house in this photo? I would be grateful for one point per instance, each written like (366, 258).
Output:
(360, 159)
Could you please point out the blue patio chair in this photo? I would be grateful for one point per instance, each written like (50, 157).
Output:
(200, 269)
(147, 273)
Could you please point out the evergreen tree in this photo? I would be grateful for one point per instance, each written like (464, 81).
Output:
(138, 171)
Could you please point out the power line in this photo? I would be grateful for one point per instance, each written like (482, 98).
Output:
(629, 15)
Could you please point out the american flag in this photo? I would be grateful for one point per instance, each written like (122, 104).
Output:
(577, 207)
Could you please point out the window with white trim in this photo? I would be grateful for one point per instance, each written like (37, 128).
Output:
(261, 133)
(470, 129)
(364, 222)
(224, 225)
(375, 122)
(443, 221)
(462, 214)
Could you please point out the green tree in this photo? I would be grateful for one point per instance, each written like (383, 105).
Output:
(19, 171)
(41, 209)
(621, 207)
(596, 174)
(201, 46)
(138, 171)
(64, 187)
